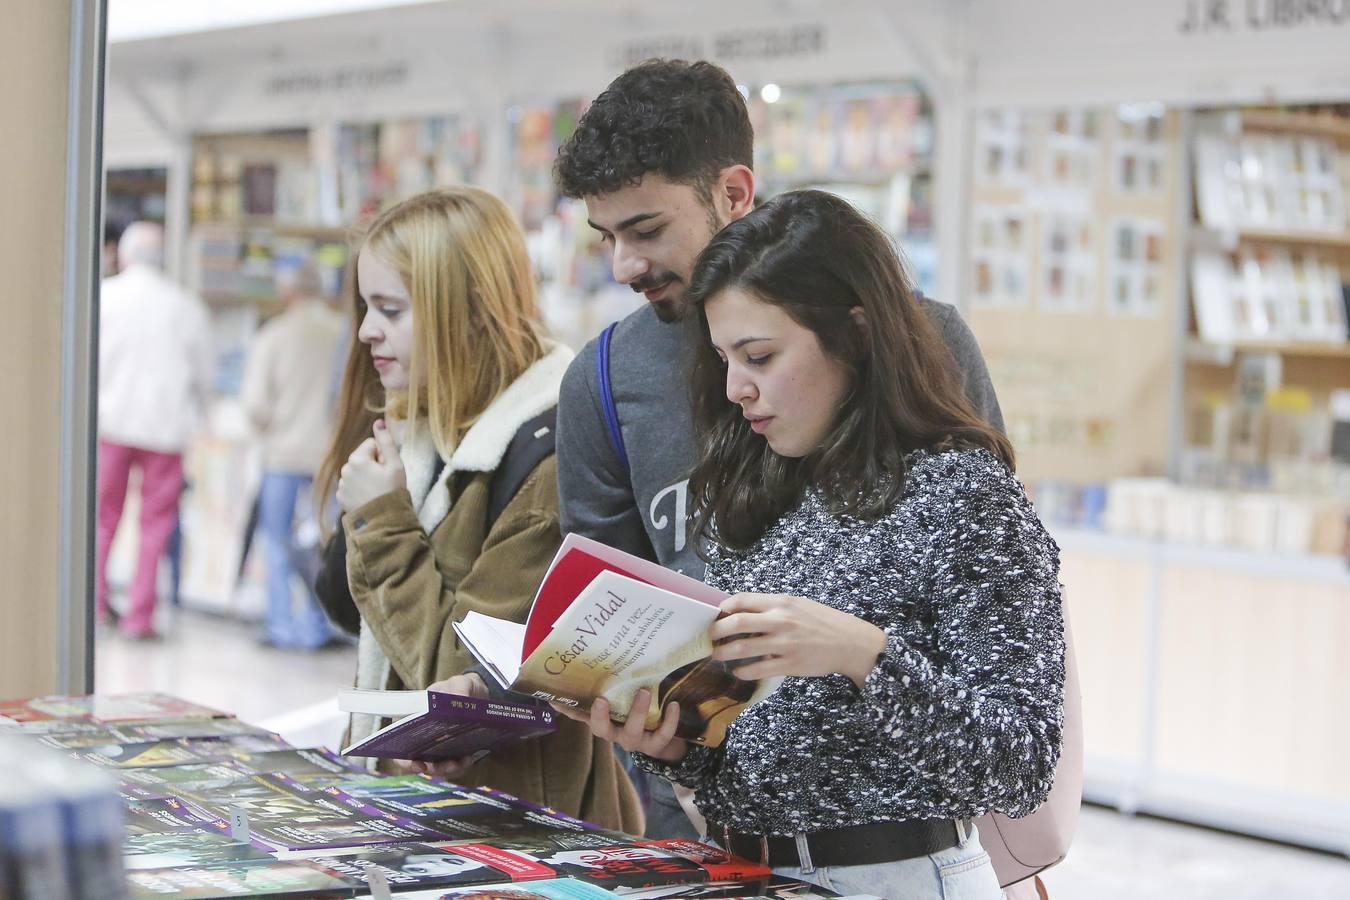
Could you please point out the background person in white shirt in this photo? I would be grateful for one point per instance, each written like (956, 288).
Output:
(287, 396)
(155, 366)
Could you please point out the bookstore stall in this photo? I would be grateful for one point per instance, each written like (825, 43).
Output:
(279, 142)
(1146, 230)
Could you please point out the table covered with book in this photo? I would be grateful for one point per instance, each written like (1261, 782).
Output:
(215, 807)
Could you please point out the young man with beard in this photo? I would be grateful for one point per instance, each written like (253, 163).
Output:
(663, 160)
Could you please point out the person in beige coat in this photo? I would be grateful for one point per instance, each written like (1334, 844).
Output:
(449, 365)
(291, 412)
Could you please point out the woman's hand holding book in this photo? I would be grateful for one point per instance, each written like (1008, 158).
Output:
(783, 635)
(470, 684)
(630, 735)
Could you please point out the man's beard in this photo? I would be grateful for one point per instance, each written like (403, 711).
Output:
(670, 308)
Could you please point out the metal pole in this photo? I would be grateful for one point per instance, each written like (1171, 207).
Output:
(79, 346)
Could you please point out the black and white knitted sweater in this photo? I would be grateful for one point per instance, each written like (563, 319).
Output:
(962, 713)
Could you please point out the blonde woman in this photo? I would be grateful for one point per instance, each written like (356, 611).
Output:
(448, 377)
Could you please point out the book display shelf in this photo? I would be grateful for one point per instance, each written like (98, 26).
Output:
(1196, 475)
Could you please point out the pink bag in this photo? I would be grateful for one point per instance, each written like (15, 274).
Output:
(1021, 848)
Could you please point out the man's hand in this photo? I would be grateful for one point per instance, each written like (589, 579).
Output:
(470, 684)
(631, 736)
(373, 470)
(784, 635)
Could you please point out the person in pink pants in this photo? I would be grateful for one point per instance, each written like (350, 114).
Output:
(155, 366)
(161, 483)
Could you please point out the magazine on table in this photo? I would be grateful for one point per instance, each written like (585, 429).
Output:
(433, 725)
(461, 813)
(605, 624)
(102, 708)
(601, 860)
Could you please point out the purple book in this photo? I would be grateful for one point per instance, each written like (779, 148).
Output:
(432, 726)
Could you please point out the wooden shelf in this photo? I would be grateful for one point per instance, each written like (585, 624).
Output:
(1339, 240)
(1223, 354)
(1335, 127)
(1227, 239)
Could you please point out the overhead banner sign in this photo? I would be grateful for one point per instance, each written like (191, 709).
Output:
(731, 46)
(337, 80)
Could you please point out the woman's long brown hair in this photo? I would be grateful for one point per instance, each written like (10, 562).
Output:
(814, 256)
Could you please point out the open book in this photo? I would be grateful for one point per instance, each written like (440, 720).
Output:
(433, 726)
(605, 624)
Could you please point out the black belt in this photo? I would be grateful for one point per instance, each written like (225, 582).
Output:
(854, 845)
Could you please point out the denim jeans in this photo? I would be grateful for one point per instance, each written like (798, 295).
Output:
(963, 872)
(306, 627)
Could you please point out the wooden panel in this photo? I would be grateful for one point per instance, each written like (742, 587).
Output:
(1107, 600)
(1086, 395)
(1252, 676)
(34, 54)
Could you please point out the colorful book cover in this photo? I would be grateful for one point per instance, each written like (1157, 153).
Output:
(104, 708)
(606, 624)
(315, 767)
(187, 847)
(284, 815)
(168, 752)
(600, 860)
(74, 734)
(405, 866)
(162, 816)
(557, 889)
(456, 813)
(448, 726)
(170, 780)
(270, 877)
(519, 866)
(147, 707)
(774, 888)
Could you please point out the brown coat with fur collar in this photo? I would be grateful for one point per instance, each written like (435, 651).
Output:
(410, 587)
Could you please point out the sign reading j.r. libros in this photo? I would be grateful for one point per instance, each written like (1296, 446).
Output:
(791, 42)
(1218, 16)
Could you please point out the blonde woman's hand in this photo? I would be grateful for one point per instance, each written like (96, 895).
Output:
(470, 684)
(373, 470)
(631, 735)
(783, 635)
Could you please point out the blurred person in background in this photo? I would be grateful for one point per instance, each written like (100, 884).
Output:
(112, 233)
(155, 367)
(289, 403)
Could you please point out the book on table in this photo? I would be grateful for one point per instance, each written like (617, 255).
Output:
(605, 624)
(433, 725)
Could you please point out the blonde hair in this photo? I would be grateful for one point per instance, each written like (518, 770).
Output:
(476, 324)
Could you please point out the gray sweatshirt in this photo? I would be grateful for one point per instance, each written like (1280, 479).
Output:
(646, 510)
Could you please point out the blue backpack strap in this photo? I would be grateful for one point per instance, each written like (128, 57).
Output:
(607, 395)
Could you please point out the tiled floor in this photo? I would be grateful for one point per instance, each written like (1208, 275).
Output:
(218, 662)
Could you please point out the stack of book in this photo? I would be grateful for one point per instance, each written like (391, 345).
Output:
(214, 807)
(61, 830)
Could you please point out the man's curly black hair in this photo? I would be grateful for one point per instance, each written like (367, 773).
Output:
(684, 121)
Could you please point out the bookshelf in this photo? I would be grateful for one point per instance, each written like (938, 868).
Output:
(1282, 122)
(1330, 240)
(1224, 354)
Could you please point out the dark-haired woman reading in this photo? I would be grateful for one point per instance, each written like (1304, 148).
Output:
(883, 558)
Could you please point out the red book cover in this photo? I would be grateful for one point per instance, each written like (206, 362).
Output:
(716, 862)
(517, 865)
(578, 562)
